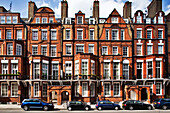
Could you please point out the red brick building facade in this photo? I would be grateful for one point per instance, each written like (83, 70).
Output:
(115, 58)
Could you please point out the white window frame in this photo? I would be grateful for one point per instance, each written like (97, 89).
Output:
(68, 46)
(114, 20)
(79, 31)
(56, 69)
(35, 34)
(104, 52)
(92, 90)
(139, 29)
(15, 19)
(107, 34)
(14, 94)
(51, 20)
(44, 91)
(37, 20)
(34, 46)
(126, 70)
(84, 91)
(139, 68)
(35, 70)
(4, 69)
(2, 19)
(116, 50)
(78, 45)
(161, 47)
(106, 69)
(18, 49)
(8, 34)
(122, 37)
(36, 95)
(160, 88)
(161, 33)
(114, 89)
(159, 67)
(19, 34)
(140, 50)
(127, 52)
(139, 19)
(151, 87)
(45, 69)
(113, 30)
(53, 34)
(85, 68)
(10, 49)
(151, 51)
(92, 67)
(42, 50)
(77, 67)
(5, 89)
(14, 69)
(91, 36)
(118, 69)
(77, 88)
(78, 19)
(109, 89)
(44, 20)
(150, 34)
(67, 34)
(91, 45)
(53, 50)
(68, 69)
(44, 34)
(8, 19)
(150, 60)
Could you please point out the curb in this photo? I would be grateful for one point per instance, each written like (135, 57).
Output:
(10, 108)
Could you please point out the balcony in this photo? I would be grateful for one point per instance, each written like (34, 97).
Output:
(9, 76)
(85, 77)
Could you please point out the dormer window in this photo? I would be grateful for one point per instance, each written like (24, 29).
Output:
(91, 21)
(138, 18)
(44, 20)
(8, 19)
(114, 19)
(50, 20)
(148, 21)
(79, 20)
(68, 21)
(15, 18)
(160, 18)
(37, 20)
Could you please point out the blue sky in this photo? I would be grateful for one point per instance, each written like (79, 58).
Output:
(106, 6)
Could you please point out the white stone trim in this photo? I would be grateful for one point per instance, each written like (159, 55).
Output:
(54, 62)
(4, 61)
(45, 61)
(106, 61)
(116, 60)
(139, 60)
(149, 60)
(158, 59)
(36, 60)
(14, 61)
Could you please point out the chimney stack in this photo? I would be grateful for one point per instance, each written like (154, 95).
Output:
(96, 9)
(31, 9)
(64, 9)
(127, 9)
(154, 7)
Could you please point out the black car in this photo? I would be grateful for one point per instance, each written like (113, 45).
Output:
(78, 105)
(135, 104)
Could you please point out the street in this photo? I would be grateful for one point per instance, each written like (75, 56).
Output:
(92, 111)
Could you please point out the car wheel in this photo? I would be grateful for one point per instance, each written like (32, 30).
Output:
(100, 108)
(45, 108)
(86, 108)
(164, 107)
(131, 107)
(69, 108)
(149, 107)
(26, 108)
(116, 108)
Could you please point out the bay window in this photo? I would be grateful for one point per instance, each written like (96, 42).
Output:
(126, 71)
(84, 67)
(54, 71)
(84, 89)
(36, 89)
(149, 69)
(116, 89)
(44, 71)
(36, 70)
(68, 69)
(158, 69)
(107, 89)
(76, 67)
(139, 70)
(116, 70)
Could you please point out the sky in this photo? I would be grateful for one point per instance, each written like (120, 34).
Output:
(106, 6)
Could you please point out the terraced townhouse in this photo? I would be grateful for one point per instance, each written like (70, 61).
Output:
(84, 58)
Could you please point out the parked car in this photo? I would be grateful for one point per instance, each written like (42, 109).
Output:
(28, 104)
(106, 105)
(78, 105)
(135, 104)
(162, 103)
